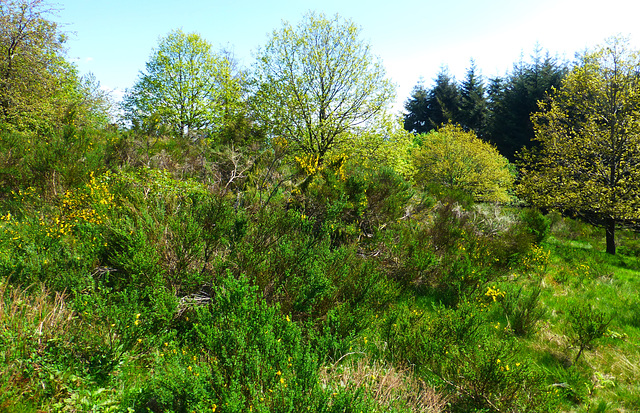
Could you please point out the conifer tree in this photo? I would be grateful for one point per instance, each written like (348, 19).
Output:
(416, 118)
(444, 100)
(473, 102)
(514, 98)
(428, 110)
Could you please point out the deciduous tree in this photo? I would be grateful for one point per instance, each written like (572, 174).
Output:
(317, 82)
(39, 89)
(186, 87)
(385, 143)
(589, 134)
(31, 60)
(457, 159)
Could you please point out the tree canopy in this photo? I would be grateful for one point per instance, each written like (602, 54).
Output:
(317, 82)
(497, 112)
(39, 89)
(184, 87)
(513, 99)
(589, 135)
(429, 109)
(473, 101)
(453, 158)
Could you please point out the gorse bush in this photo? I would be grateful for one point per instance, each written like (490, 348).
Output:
(536, 224)
(234, 265)
(456, 348)
(585, 325)
(289, 289)
(242, 354)
(254, 350)
(52, 163)
(522, 309)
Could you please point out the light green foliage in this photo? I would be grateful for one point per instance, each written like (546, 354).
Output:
(89, 105)
(383, 143)
(589, 133)
(185, 90)
(222, 277)
(317, 82)
(455, 159)
(39, 90)
(30, 56)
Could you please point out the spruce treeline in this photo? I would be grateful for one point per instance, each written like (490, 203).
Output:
(496, 109)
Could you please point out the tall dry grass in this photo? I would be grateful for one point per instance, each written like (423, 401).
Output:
(30, 319)
(388, 385)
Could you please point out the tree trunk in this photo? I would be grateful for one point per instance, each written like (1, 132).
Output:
(610, 228)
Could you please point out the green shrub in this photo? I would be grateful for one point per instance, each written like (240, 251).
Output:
(585, 325)
(457, 159)
(522, 309)
(52, 163)
(458, 349)
(435, 193)
(535, 223)
(387, 197)
(242, 354)
(406, 256)
(52, 244)
(164, 231)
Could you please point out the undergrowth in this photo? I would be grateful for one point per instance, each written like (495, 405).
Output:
(192, 287)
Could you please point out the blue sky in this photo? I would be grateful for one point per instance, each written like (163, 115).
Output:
(113, 39)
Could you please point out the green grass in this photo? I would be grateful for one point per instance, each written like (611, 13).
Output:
(580, 272)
